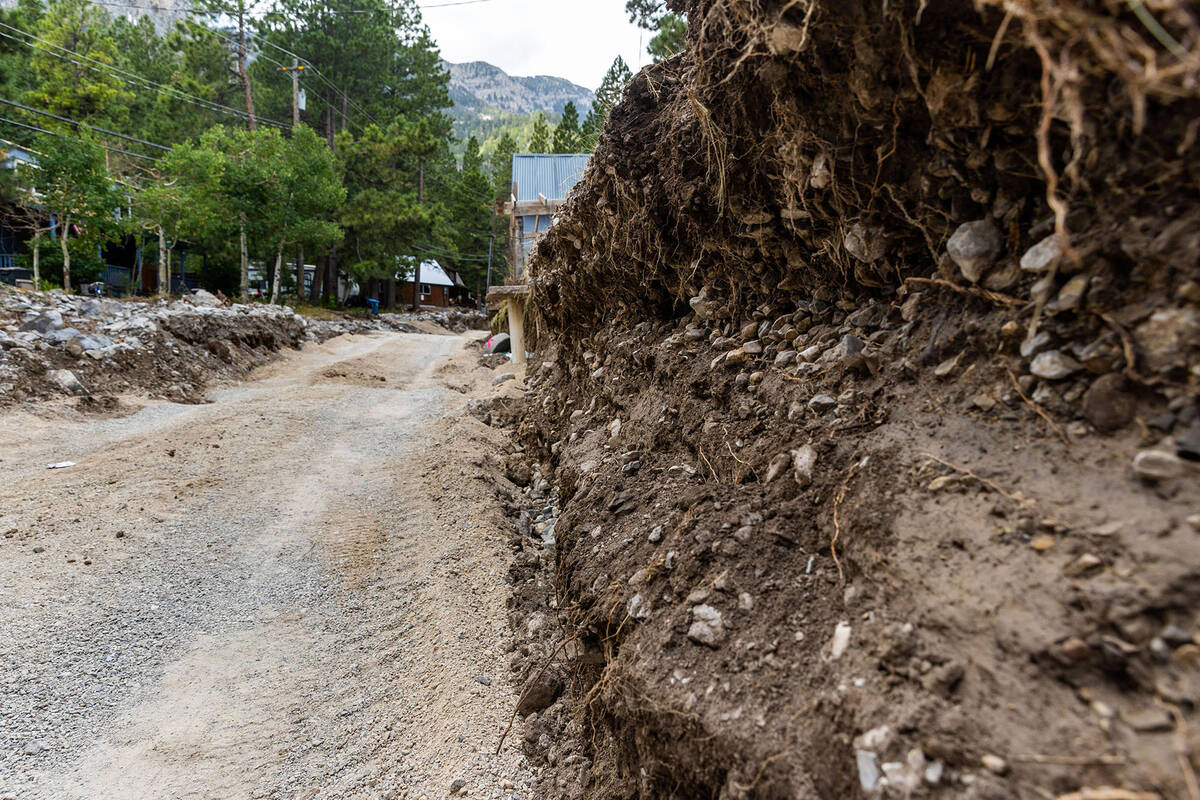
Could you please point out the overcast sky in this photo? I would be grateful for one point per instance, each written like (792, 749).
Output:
(572, 39)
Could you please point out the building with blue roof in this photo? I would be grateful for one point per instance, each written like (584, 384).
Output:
(541, 183)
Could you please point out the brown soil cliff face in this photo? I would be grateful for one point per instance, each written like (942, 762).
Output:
(852, 501)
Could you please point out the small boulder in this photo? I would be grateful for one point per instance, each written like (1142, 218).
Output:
(974, 247)
(45, 322)
(200, 297)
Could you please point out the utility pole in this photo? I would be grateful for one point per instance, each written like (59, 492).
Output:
(488, 284)
(241, 64)
(416, 304)
(294, 69)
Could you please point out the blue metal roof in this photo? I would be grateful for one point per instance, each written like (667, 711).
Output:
(551, 175)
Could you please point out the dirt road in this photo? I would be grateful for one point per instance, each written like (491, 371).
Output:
(296, 591)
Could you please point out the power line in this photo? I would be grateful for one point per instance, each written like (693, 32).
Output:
(83, 124)
(60, 133)
(131, 78)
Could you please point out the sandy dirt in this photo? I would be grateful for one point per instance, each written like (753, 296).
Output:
(297, 590)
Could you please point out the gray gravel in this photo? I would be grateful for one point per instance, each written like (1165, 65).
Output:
(294, 606)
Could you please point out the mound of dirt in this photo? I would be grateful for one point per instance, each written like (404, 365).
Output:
(54, 344)
(866, 414)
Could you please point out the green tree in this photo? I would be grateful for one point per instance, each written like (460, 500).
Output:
(310, 193)
(670, 38)
(566, 135)
(670, 29)
(472, 159)
(539, 142)
(384, 215)
(77, 86)
(75, 186)
(608, 95)
(502, 167)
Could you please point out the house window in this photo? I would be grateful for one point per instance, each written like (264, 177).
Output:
(426, 289)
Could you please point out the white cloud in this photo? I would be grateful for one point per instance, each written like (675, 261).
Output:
(572, 39)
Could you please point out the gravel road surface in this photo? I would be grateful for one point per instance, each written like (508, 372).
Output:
(295, 591)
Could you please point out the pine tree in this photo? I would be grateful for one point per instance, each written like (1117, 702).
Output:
(502, 166)
(670, 39)
(607, 96)
(566, 135)
(472, 160)
(540, 141)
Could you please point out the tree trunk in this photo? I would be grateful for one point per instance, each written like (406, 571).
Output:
(37, 270)
(164, 265)
(331, 284)
(278, 275)
(62, 239)
(314, 294)
(245, 287)
(299, 274)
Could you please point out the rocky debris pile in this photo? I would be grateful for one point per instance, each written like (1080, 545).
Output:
(53, 344)
(869, 388)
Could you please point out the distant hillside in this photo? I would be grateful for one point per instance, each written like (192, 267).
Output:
(480, 89)
(489, 102)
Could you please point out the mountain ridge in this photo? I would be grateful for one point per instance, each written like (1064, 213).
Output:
(478, 86)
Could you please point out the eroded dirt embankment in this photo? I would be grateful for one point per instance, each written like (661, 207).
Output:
(54, 345)
(866, 414)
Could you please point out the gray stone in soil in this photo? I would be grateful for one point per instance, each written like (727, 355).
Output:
(457, 786)
(1157, 465)
(974, 247)
(821, 403)
(62, 335)
(850, 345)
(1043, 255)
(804, 459)
(1168, 336)
(200, 297)
(502, 378)
(65, 380)
(483, 679)
(1072, 293)
(1030, 347)
(1054, 365)
(707, 626)
(44, 322)
(864, 243)
(778, 465)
